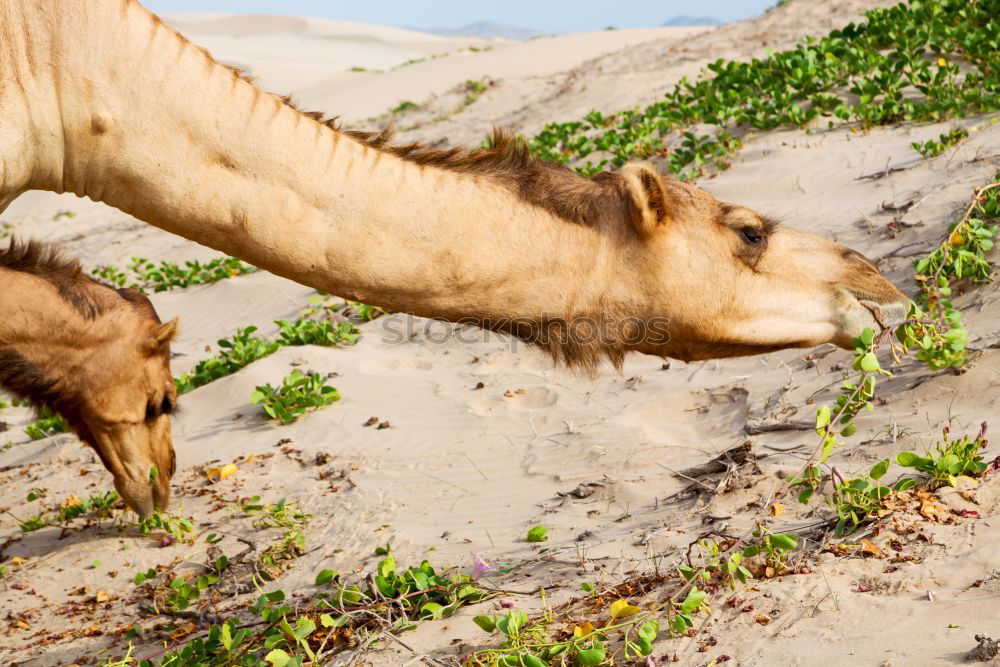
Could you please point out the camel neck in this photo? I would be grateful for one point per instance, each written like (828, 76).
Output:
(152, 126)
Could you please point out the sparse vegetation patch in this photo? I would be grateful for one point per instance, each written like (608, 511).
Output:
(147, 276)
(920, 61)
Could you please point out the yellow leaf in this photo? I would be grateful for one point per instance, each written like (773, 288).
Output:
(942, 62)
(956, 239)
(222, 473)
(583, 630)
(777, 509)
(17, 560)
(622, 609)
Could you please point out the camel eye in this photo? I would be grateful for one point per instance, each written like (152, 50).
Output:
(165, 407)
(751, 235)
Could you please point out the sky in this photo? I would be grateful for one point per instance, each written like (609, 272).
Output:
(546, 15)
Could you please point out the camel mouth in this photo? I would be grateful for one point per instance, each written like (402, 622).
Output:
(886, 315)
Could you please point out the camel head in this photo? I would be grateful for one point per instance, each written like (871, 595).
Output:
(128, 398)
(98, 356)
(732, 282)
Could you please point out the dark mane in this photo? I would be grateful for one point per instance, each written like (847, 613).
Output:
(46, 261)
(507, 160)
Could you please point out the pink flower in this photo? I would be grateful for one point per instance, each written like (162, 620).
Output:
(480, 566)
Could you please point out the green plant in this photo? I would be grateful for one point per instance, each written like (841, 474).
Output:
(316, 332)
(98, 506)
(243, 349)
(681, 617)
(297, 394)
(774, 547)
(273, 515)
(34, 523)
(918, 61)
(48, 424)
(717, 563)
(950, 460)
(537, 534)
(145, 275)
(403, 107)
(530, 642)
(858, 499)
(353, 310)
(179, 528)
(932, 148)
(473, 90)
(934, 327)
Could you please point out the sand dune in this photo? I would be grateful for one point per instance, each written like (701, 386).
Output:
(311, 59)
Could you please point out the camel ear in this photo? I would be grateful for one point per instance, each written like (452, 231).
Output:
(648, 198)
(162, 335)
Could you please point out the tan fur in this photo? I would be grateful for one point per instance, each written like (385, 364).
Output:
(96, 355)
(493, 236)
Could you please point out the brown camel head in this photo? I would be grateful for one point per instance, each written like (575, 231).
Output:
(733, 282)
(98, 356)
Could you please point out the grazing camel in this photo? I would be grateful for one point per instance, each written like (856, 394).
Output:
(97, 355)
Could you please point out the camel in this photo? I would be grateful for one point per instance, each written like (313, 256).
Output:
(97, 355)
(101, 99)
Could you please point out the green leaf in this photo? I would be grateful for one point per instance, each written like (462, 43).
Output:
(325, 576)
(278, 658)
(511, 623)
(867, 337)
(532, 661)
(487, 623)
(822, 417)
(649, 630)
(538, 534)
(304, 627)
(880, 469)
(693, 600)
(869, 362)
(784, 541)
(591, 657)
(431, 611)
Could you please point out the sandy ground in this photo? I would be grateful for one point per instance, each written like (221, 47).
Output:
(465, 471)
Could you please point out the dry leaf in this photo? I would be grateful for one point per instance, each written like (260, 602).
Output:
(101, 596)
(868, 548)
(935, 511)
(223, 472)
(763, 619)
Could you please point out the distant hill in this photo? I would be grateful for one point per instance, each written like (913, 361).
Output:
(486, 30)
(692, 20)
